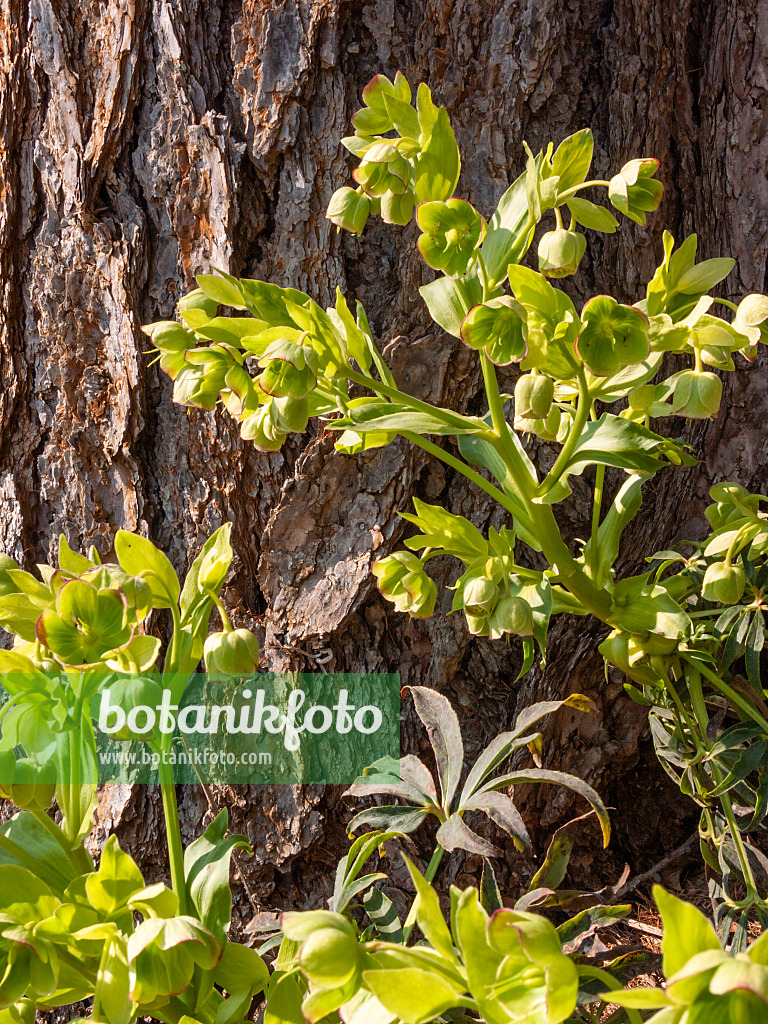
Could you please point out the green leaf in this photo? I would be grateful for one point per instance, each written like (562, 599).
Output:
(552, 871)
(703, 276)
(139, 557)
(389, 416)
(572, 160)
(437, 169)
(206, 869)
(117, 879)
(284, 1001)
(623, 510)
(589, 215)
(509, 233)
(490, 897)
(559, 779)
(614, 441)
(429, 916)
(590, 920)
(440, 529)
(403, 117)
(242, 973)
(449, 300)
(223, 289)
(382, 914)
(442, 727)
(455, 834)
(70, 560)
(686, 931)
(416, 996)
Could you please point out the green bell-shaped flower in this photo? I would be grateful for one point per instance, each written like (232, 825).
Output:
(634, 191)
(349, 209)
(548, 428)
(479, 595)
(534, 395)
(499, 327)
(612, 336)
(697, 395)
(511, 615)
(384, 169)
(28, 785)
(232, 653)
(330, 957)
(403, 581)
(261, 428)
(290, 370)
(560, 252)
(724, 583)
(86, 624)
(452, 232)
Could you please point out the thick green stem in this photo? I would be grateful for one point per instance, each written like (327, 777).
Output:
(225, 621)
(597, 506)
(577, 428)
(596, 182)
(467, 471)
(506, 445)
(175, 852)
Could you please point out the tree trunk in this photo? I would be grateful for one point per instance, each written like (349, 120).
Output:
(144, 141)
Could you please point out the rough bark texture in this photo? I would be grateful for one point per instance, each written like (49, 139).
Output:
(142, 141)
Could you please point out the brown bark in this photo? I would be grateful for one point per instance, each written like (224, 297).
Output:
(142, 141)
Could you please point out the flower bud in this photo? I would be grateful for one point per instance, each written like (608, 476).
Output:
(560, 252)
(290, 414)
(511, 615)
(349, 209)
(723, 583)
(534, 395)
(697, 395)
(479, 595)
(234, 653)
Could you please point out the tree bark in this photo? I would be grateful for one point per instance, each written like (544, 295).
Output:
(144, 141)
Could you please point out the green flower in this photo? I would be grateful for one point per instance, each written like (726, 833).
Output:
(705, 984)
(374, 118)
(452, 232)
(86, 624)
(634, 191)
(384, 169)
(403, 581)
(511, 615)
(290, 370)
(548, 428)
(723, 583)
(536, 982)
(560, 252)
(231, 653)
(162, 954)
(27, 784)
(612, 336)
(203, 376)
(534, 395)
(261, 428)
(499, 327)
(479, 595)
(349, 209)
(697, 395)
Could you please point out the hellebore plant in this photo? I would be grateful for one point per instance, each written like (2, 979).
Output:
(67, 931)
(590, 382)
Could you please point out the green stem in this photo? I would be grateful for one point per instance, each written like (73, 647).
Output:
(467, 471)
(597, 506)
(225, 621)
(175, 852)
(56, 833)
(596, 182)
(730, 693)
(577, 428)
(509, 452)
(738, 842)
(429, 874)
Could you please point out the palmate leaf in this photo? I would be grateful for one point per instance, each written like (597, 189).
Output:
(613, 441)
